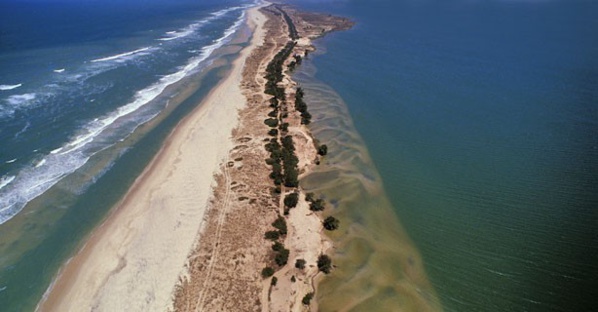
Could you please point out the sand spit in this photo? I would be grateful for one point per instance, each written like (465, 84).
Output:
(224, 271)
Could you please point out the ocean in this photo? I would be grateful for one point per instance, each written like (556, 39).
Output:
(481, 118)
(88, 92)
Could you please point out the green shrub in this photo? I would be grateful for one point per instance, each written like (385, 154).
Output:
(282, 257)
(287, 143)
(324, 263)
(307, 298)
(274, 281)
(331, 223)
(281, 225)
(291, 200)
(272, 235)
(317, 205)
(323, 149)
(267, 272)
(277, 246)
(271, 122)
(300, 264)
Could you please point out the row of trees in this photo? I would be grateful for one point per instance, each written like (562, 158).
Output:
(274, 71)
(284, 161)
(281, 256)
(301, 107)
(292, 30)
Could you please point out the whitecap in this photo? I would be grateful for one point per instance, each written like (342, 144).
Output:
(6, 180)
(59, 70)
(40, 163)
(9, 87)
(190, 29)
(20, 99)
(11, 161)
(122, 56)
(172, 35)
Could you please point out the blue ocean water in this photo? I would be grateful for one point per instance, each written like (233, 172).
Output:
(72, 70)
(482, 119)
(80, 84)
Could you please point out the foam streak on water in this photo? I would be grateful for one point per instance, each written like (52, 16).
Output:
(9, 87)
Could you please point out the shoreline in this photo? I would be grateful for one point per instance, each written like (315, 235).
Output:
(122, 252)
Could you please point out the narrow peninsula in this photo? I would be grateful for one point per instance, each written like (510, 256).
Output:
(263, 246)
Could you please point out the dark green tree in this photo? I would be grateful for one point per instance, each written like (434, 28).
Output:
(282, 257)
(300, 264)
(307, 298)
(317, 205)
(291, 200)
(272, 235)
(277, 246)
(323, 149)
(281, 224)
(324, 263)
(267, 272)
(331, 223)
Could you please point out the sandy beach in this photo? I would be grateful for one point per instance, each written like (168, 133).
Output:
(132, 262)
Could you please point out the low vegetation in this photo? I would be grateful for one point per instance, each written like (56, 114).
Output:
(272, 235)
(322, 150)
(300, 264)
(282, 257)
(291, 200)
(267, 272)
(331, 223)
(307, 298)
(277, 246)
(317, 205)
(281, 224)
(324, 263)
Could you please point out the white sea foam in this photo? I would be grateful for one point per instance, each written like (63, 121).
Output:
(123, 56)
(11, 161)
(172, 35)
(59, 70)
(9, 87)
(6, 180)
(190, 29)
(40, 163)
(20, 99)
(32, 181)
